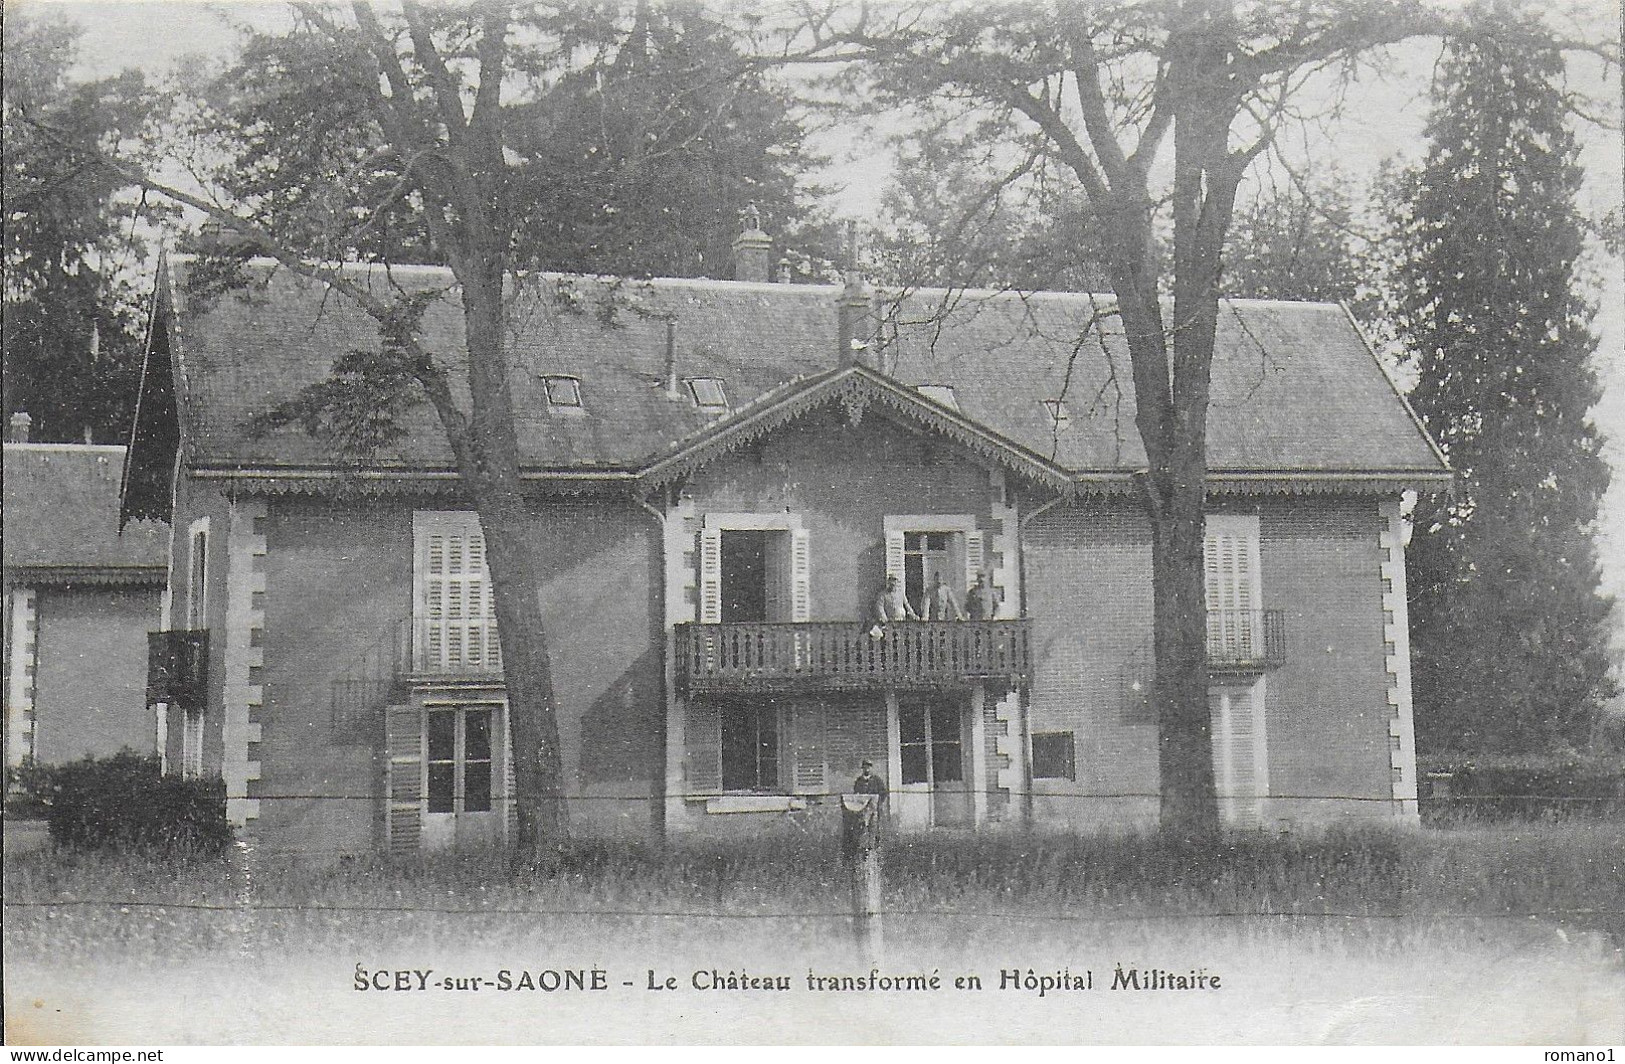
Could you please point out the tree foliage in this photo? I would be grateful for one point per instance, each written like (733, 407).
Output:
(1509, 628)
(633, 138)
(71, 344)
(957, 215)
(1296, 242)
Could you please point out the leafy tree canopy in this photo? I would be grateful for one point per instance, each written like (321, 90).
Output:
(633, 138)
(71, 341)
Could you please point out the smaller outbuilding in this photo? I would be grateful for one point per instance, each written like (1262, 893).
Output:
(80, 598)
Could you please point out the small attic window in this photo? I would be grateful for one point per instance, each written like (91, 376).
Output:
(707, 393)
(1057, 413)
(562, 391)
(940, 393)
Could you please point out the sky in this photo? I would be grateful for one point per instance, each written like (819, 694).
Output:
(1383, 118)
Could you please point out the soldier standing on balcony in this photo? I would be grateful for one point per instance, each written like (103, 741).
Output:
(940, 604)
(893, 605)
(982, 601)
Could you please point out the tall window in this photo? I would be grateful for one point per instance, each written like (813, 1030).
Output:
(197, 578)
(192, 742)
(921, 547)
(927, 555)
(456, 611)
(932, 740)
(752, 568)
(1233, 587)
(750, 747)
(459, 765)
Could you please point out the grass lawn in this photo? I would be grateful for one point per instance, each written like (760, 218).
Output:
(1495, 934)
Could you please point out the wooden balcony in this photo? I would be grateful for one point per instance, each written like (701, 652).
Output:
(178, 667)
(850, 656)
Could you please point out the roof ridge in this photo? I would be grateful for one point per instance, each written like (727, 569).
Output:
(728, 284)
(83, 448)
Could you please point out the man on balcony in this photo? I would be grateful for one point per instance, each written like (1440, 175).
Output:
(982, 601)
(893, 605)
(940, 603)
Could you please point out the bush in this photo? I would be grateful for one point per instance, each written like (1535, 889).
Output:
(124, 802)
(27, 790)
(1529, 787)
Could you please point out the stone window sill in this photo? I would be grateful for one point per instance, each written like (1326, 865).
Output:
(755, 803)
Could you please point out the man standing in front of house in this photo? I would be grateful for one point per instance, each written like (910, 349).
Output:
(869, 783)
(866, 783)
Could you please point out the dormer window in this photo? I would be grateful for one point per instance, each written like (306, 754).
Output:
(940, 393)
(707, 393)
(562, 391)
(1057, 412)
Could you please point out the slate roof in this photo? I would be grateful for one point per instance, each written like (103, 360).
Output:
(61, 517)
(1296, 390)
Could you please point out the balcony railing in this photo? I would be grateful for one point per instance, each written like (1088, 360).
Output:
(178, 667)
(1245, 640)
(851, 655)
(407, 651)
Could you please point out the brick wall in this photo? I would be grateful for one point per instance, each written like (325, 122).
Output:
(1088, 578)
(843, 481)
(1327, 710)
(339, 578)
(1088, 585)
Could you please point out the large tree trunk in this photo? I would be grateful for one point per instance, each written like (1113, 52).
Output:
(1175, 436)
(1185, 746)
(506, 519)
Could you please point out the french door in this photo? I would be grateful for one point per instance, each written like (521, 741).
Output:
(462, 748)
(934, 790)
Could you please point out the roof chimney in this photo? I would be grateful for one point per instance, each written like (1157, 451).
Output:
(853, 306)
(17, 430)
(753, 249)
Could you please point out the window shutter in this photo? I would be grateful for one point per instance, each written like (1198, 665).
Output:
(403, 743)
(800, 576)
(973, 557)
(711, 576)
(1235, 764)
(458, 608)
(703, 738)
(1230, 561)
(894, 555)
(510, 816)
(434, 602)
(807, 732)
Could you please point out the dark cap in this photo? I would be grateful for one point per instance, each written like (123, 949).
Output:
(868, 764)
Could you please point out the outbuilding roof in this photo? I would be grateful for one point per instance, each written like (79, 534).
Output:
(1296, 390)
(61, 518)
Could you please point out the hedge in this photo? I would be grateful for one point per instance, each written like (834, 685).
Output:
(125, 802)
(1529, 787)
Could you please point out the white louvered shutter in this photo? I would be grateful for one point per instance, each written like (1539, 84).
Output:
(1230, 556)
(711, 576)
(973, 557)
(800, 576)
(1235, 756)
(894, 555)
(459, 610)
(807, 736)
